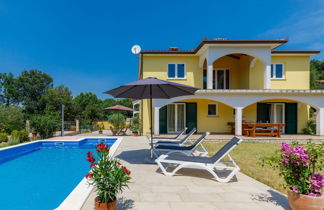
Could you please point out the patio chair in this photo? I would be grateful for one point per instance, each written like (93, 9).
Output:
(170, 138)
(122, 131)
(177, 143)
(186, 150)
(210, 164)
(114, 132)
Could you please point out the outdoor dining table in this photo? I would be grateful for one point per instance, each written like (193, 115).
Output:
(263, 129)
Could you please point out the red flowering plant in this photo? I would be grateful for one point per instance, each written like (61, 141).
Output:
(300, 165)
(106, 174)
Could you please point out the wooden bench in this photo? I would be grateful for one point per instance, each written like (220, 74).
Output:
(262, 129)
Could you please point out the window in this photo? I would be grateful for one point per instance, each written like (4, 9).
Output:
(212, 109)
(176, 71)
(277, 71)
(221, 79)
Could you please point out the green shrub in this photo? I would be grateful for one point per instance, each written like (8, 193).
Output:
(85, 130)
(45, 125)
(117, 120)
(310, 127)
(3, 137)
(13, 140)
(21, 135)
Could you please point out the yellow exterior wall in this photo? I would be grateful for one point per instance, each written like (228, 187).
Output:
(217, 123)
(257, 75)
(156, 66)
(296, 71)
(244, 72)
(146, 116)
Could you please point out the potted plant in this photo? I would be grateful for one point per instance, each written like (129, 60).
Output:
(299, 165)
(34, 133)
(108, 176)
(136, 125)
(135, 130)
(100, 128)
(73, 128)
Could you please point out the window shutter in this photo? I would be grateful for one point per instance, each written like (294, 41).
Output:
(163, 120)
(191, 116)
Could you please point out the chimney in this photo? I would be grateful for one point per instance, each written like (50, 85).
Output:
(173, 48)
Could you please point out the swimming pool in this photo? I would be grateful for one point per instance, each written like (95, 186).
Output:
(41, 175)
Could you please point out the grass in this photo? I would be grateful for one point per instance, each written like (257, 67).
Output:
(247, 155)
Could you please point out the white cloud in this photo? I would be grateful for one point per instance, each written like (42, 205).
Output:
(300, 28)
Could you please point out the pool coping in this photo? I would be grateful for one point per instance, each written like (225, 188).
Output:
(81, 192)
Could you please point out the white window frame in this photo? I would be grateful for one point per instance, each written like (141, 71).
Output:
(216, 78)
(216, 113)
(176, 118)
(274, 71)
(176, 71)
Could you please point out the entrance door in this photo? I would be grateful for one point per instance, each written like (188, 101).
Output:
(176, 117)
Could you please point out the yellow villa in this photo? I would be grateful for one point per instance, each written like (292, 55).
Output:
(238, 80)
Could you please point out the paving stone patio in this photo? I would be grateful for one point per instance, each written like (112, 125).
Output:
(190, 189)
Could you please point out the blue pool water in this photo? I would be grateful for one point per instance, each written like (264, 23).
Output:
(41, 175)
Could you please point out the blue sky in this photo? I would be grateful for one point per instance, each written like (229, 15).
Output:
(85, 45)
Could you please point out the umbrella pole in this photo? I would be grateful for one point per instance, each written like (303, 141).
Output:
(151, 116)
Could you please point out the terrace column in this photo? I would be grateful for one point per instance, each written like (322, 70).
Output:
(156, 120)
(267, 76)
(320, 122)
(210, 76)
(238, 121)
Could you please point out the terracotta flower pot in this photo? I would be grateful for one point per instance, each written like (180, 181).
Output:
(105, 206)
(305, 202)
(135, 133)
(100, 132)
(34, 134)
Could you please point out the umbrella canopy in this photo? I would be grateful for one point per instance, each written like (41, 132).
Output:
(119, 108)
(150, 88)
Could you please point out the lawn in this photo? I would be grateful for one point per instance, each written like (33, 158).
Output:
(247, 156)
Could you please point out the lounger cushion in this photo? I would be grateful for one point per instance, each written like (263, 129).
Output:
(179, 157)
(167, 147)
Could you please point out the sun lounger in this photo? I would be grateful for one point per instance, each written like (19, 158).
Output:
(179, 142)
(170, 138)
(210, 164)
(187, 150)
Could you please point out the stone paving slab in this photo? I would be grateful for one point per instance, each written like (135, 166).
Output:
(189, 189)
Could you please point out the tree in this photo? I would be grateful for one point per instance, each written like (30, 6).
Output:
(88, 107)
(53, 98)
(9, 93)
(32, 85)
(11, 118)
(317, 73)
